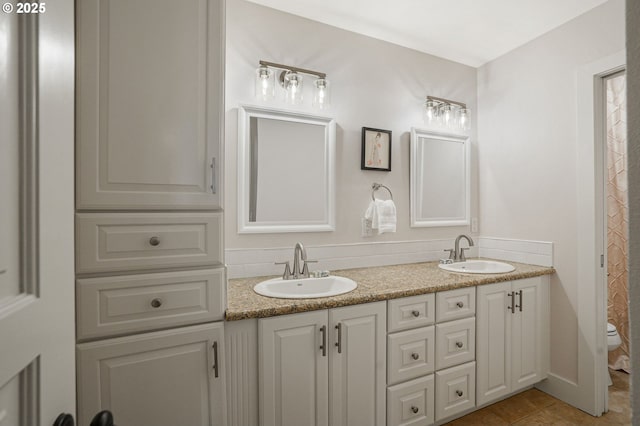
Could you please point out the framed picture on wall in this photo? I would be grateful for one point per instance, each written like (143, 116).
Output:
(376, 149)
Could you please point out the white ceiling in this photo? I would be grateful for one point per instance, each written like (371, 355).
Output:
(471, 32)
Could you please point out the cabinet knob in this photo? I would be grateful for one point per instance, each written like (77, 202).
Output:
(154, 241)
(460, 305)
(415, 356)
(414, 409)
(459, 393)
(415, 313)
(459, 344)
(156, 303)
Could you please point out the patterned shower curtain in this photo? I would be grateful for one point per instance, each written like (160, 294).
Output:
(617, 218)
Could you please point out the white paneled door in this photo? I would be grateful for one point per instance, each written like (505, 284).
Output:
(37, 379)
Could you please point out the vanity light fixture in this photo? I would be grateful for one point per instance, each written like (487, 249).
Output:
(446, 114)
(291, 80)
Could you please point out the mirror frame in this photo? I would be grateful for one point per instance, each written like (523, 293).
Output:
(415, 187)
(245, 113)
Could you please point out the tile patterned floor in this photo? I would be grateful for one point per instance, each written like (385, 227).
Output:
(534, 407)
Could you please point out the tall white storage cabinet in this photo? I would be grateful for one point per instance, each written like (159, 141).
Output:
(513, 336)
(324, 367)
(149, 222)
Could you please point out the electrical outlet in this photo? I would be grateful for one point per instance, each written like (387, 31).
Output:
(367, 230)
(474, 224)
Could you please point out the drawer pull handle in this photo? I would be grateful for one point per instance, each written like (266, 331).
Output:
(459, 393)
(414, 409)
(215, 359)
(460, 305)
(156, 303)
(323, 346)
(154, 241)
(459, 344)
(415, 313)
(415, 356)
(339, 342)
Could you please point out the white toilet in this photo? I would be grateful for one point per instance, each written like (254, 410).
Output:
(613, 342)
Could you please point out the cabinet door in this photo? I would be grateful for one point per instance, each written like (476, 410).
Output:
(168, 378)
(493, 345)
(530, 332)
(358, 365)
(149, 104)
(294, 376)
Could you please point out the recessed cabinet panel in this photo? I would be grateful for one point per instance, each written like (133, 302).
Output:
(129, 303)
(357, 365)
(455, 342)
(149, 90)
(412, 403)
(455, 304)
(411, 354)
(411, 312)
(455, 390)
(109, 242)
(293, 370)
(165, 378)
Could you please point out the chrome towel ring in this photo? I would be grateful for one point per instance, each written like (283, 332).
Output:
(375, 187)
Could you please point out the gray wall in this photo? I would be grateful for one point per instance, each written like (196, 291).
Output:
(633, 126)
(527, 150)
(375, 84)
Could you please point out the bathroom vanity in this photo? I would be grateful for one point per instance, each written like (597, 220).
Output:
(412, 345)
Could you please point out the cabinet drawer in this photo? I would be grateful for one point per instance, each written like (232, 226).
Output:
(107, 242)
(411, 312)
(131, 303)
(455, 304)
(411, 354)
(411, 403)
(455, 390)
(455, 342)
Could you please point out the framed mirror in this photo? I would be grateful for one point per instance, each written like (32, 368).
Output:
(286, 171)
(439, 179)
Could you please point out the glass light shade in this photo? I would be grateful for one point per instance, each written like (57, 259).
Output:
(430, 113)
(265, 83)
(321, 93)
(293, 86)
(464, 119)
(446, 115)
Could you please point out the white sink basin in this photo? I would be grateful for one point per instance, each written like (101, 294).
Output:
(305, 288)
(478, 267)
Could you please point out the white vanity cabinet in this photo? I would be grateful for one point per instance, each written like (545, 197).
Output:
(149, 219)
(323, 368)
(165, 378)
(149, 114)
(513, 336)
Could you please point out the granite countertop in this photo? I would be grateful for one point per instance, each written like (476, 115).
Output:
(374, 284)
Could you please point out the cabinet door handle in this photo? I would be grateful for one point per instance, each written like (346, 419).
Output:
(519, 300)
(213, 175)
(459, 393)
(154, 241)
(415, 313)
(215, 359)
(512, 295)
(460, 305)
(414, 409)
(156, 303)
(339, 342)
(415, 356)
(323, 346)
(459, 344)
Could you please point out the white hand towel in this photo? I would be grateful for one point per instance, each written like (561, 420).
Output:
(382, 214)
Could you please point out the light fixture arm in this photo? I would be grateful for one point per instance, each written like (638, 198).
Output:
(294, 69)
(446, 101)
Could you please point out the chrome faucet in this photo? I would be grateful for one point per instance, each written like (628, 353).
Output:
(459, 251)
(299, 254)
